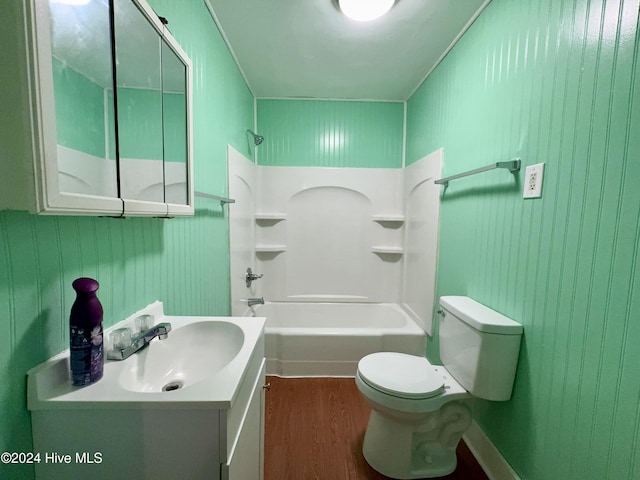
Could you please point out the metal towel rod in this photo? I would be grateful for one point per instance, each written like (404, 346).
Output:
(222, 200)
(513, 166)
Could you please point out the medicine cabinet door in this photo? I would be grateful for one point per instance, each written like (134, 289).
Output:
(176, 126)
(83, 93)
(139, 109)
(152, 102)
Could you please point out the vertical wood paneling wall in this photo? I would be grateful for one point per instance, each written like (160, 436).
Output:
(554, 82)
(183, 261)
(548, 81)
(322, 133)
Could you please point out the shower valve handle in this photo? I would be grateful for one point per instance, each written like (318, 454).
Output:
(250, 277)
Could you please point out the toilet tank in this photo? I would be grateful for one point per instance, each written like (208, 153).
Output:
(479, 347)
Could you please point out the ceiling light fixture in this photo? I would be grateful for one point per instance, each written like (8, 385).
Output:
(365, 10)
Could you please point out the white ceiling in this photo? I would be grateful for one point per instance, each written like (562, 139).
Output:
(308, 49)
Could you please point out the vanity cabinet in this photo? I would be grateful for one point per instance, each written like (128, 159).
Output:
(155, 443)
(243, 450)
(96, 114)
(211, 428)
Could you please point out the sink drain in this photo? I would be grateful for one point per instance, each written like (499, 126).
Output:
(171, 386)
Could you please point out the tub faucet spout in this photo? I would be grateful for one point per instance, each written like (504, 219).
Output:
(255, 301)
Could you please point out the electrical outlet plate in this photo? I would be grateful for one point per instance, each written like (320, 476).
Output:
(533, 181)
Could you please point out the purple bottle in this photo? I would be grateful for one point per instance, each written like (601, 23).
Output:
(85, 325)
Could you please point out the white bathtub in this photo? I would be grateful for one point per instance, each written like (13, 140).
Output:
(328, 339)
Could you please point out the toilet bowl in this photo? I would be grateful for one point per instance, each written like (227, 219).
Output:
(419, 410)
(418, 415)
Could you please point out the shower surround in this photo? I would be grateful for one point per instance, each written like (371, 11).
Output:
(344, 237)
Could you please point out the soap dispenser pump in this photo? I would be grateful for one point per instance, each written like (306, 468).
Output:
(85, 327)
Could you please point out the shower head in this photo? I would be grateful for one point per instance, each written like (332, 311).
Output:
(257, 139)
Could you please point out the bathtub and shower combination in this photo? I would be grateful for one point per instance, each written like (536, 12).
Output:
(328, 339)
(334, 246)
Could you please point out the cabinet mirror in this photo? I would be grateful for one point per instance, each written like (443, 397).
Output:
(175, 126)
(97, 117)
(139, 104)
(83, 98)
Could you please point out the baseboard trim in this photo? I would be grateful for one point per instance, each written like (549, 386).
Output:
(487, 455)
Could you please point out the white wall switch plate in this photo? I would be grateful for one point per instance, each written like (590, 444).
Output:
(533, 181)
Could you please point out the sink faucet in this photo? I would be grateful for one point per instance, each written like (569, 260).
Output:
(121, 351)
(255, 301)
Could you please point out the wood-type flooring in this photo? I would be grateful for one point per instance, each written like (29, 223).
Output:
(314, 428)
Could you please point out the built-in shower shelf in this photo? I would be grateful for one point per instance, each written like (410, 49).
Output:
(389, 219)
(271, 217)
(387, 249)
(270, 248)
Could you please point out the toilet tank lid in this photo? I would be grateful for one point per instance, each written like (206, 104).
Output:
(479, 316)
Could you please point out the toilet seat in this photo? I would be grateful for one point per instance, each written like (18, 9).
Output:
(401, 375)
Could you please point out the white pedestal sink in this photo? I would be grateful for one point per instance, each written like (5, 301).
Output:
(126, 426)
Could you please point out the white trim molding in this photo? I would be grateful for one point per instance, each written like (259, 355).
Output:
(487, 455)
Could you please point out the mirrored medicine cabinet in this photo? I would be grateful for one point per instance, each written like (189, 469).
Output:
(100, 121)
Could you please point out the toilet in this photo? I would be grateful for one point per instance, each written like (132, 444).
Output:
(419, 410)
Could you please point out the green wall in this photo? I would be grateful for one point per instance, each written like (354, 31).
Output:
(330, 133)
(140, 123)
(152, 125)
(76, 93)
(175, 135)
(183, 262)
(548, 81)
(554, 82)
(140, 118)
